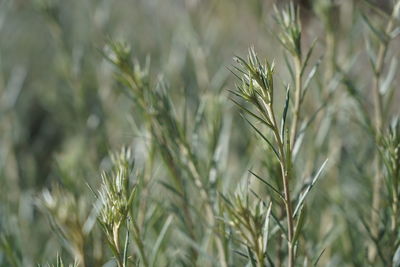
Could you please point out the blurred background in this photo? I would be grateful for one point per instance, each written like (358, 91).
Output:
(61, 111)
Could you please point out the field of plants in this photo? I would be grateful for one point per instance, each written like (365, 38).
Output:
(257, 133)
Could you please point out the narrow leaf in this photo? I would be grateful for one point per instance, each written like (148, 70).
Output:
(250, 255)
(314, 180)
(285, 109)
(308, 56)
(125, 255)
(310, 77)
(319, 257)
(263, 137)
(382, 36)
(288, 66)
(266, 227)
(268, 184)
(300, 224)
(251, 113)
(160, 238)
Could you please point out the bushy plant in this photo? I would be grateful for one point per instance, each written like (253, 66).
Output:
(288, 159)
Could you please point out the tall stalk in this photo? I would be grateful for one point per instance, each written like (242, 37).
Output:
(379, 122)
(297, 99)
(290, 37)
(258, 89)
(174, 147)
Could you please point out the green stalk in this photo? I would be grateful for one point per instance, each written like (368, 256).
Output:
(209, 209)
(285, 181)
(297, 100)
(378, 124)
(139, 244)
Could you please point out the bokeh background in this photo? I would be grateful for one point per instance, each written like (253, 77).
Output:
(61, 111)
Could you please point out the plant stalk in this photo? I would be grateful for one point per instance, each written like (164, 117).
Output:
(285, 180)
(209, 210)
(378, 124)
(297, 101)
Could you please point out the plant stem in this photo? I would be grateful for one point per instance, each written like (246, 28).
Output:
(185, 204)
(289, 213)
(297, 101)
(81, 249)
(115, 241)
(139, 243)
(331, 56)
(395, 211)
(209, 209)
(378, 117)
(151, 124)
(285, 180)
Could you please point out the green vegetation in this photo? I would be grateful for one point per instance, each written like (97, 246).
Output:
(129, 136)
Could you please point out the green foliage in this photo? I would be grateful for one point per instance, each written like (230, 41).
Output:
(217, 168)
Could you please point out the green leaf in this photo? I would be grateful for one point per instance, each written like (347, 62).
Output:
(266, 228)
(310, 76)
(251, 113)
(393, 34)
(396, 258)
(289, 66)
(391, 74)
(382, 36)
(319, 257)
(371, 54)
(125, 255)
(263, 137)
(308, 56)
(305, 193)
(171, 188)
(268, 184)
(278, 226)
(251, 257)
(160, 239)
(300, 224)
(243, 62)
(285, 110)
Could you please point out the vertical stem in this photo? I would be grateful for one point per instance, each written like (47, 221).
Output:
(297, 101)
(378, 117)
(378, 174)
(284, 164)
(289, 213)
(331, 55)
(139, 243)
(278, 262)
(209, 210)
(285, 180)
(395, 204)
(375, 90)
(81, 249)
(260, 256)
(185, 205)
(395, 211)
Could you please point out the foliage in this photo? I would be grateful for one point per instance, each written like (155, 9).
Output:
(286, 159)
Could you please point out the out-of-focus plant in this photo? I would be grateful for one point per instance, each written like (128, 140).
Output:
(382, 30)
(379, 90)
(116, 197)
(59, 263)
(388, 242)
(191, 172)
(186, 201)
(68, 217)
